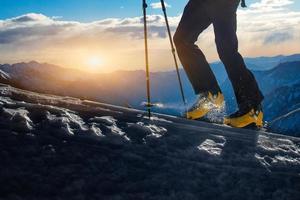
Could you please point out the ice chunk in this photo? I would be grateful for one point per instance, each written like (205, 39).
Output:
(76, 121)
(7, 101)
(288, 160)
(281, 151)
(212, 147)
(18, 119)
(264, 160)
(277, 145)
(107, 120)
(61, 123)
(94, 130)
(149, 130)
(156, 131)
(110, 123)
(67, 121)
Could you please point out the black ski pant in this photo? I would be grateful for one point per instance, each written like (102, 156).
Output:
(197, 16)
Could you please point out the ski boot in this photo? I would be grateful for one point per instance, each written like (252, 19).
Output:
(204, 104)
(252, 119)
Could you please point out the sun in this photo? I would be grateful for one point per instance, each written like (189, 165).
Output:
(94, 62)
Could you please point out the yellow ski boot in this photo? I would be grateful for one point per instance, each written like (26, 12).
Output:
(251, 119)
(205, 103)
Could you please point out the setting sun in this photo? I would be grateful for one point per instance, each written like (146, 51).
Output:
(94, 62)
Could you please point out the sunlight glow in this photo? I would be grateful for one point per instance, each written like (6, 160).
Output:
(94, 62)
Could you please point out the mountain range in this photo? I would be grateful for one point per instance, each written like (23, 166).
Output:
(278, 77)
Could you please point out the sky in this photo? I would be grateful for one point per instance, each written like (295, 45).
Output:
(107, 35)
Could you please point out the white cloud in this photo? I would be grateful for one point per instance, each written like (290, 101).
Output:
(30, 17)
(157, 5)
(270, 17)
(263, 4)
(56, 17)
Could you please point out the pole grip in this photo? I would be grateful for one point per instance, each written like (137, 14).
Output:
(145, 5)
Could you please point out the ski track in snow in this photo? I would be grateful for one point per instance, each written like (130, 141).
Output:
(165, 150)
(155, 118)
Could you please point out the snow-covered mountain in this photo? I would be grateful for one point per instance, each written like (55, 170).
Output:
(55, 147)
(285, 74)
(287, 123)
(266, 63)
(282, 100)
(4, 77)
(256, 64)
(120, 87)
(280, 86)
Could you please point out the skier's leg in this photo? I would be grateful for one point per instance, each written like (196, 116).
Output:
(245, 86)
(246, 89)
(195, 19)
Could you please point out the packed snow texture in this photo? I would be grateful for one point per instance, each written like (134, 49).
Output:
(55, 147)
(212, 147)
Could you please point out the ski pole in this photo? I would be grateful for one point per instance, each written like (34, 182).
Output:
(174, 53)
(243, 4)
(147, 58)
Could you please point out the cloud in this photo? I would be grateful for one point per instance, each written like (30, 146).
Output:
(157, 5)
(263, 4)
(269, 21)
(267, 27)
(32, 27)
(278, 37)
(31, 17)
(57, 17)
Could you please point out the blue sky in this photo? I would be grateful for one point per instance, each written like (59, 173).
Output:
(79, 10)
(88, 10)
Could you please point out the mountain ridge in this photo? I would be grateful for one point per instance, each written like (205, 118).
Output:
(128, 88)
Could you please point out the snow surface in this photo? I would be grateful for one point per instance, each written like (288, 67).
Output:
(289, 122)
(55, 147)
(212, 147)
(4, 75)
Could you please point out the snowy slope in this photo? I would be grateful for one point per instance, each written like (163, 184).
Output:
(287, 123)
(4, 77)
(55, 147)
(281, 101)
